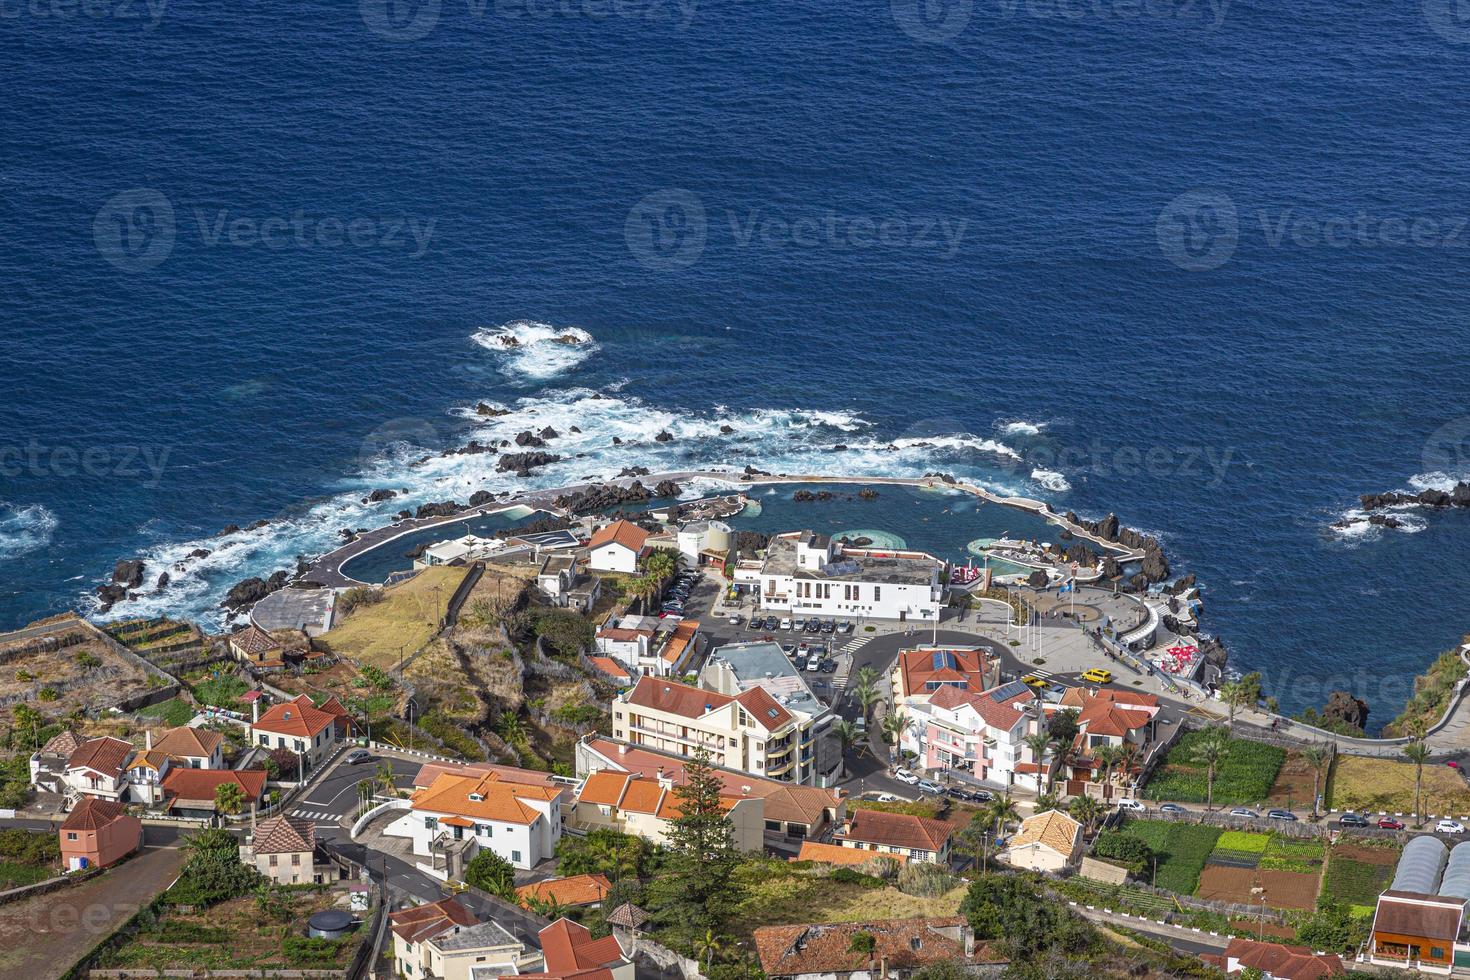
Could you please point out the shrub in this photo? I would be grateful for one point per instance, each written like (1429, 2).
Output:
(363, 595)
(1125, 848)
(848, 876)
(925, 880)
(881, 867)
(1244, 775)
(490, 872)
(564, 632)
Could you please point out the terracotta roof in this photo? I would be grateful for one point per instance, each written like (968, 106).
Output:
(661, 694)
(897, 830)
(499, 799)
(190, 742)
(916, 668)
(622, 634)
(763, 708)
(573, 891)
(628, 916)
(678, 644)
(1053, 829)
(610, 667)
(198, 785)
(103, 755)
(625, 533)
(834, 854)
(992, 712)
(252, 639)
(634, 793)
(431, 771)
(284, 835)
(63, 743)
(1424, 916)
(152, 759)
(901, 944)
(295, 718)
(427, 921)
(1282, 961)
(92, 814)
(569, 949)
(784, 802)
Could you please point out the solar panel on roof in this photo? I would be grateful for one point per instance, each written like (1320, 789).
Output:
(842, 568)
(943, 658)
(1005, 692)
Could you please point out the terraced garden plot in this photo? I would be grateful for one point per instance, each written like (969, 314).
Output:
(1357, 874)
(1245, 775)
(1293, 854)
(1181, 850)
(1283, 889)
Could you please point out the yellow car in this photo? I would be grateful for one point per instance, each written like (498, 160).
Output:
(1098, 676)
(1035, 682)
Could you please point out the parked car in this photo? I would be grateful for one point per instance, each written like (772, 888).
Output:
(1097, 675)
(829, 626)
(789, 649)
(1241, 811)
(904, 776)
(1033, 681)
(814, 626)
(968, 795)
(357, 755)
(772, 623)
(798, 625)
(734, 620)
(1449, 827)
(754, 624)
(845, 626)
(829, 666)
(1352, 820)
(1285, 815)
(814, 663)
(888, 798)
(1171, 808)
(786, 623)
(930, 786)
(1132, 806)
(1389, 823)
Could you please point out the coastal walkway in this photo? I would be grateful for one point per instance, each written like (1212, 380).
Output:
(327, 570)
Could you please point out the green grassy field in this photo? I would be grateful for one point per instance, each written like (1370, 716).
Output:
(1181, 849)
(1245, 775)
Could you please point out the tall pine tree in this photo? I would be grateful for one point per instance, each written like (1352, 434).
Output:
(696, 887)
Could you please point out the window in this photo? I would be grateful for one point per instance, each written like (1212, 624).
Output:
(515, 857)
(877, 593)
(296, 860)
(265, 740)
(71, 836)
(274, 861)
(1435, 953)
(431, 823)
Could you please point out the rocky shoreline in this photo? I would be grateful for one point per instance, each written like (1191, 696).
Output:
(1373, 503)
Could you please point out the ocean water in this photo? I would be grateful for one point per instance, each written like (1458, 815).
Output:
(1202, 264)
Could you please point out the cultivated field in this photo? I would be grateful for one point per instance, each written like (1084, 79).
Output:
(1181, 850)
(1386, 785)
(1283, 889)
(1245, 775)
(1357, 872)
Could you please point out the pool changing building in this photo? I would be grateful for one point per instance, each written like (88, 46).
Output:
(1418, 922)
(808, 573)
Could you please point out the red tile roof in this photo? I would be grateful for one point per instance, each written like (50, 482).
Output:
(916, 668)
(295, 718)
(625, 533)
(897, 830)
(1284, 962)
(763, 708)
(92, 814)
(428, 921)
(500, 800)
(994, 713)
(431, 771)
(673, 697)
(196, 743)
(252, 639)
(573, 891)
(284, 835)
(570, 949)
(678, 644)
(611, 668)
(900, 944)
(103, 755)
(184, 786)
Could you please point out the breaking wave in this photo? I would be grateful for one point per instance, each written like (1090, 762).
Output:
(533, 351)
(24, 528)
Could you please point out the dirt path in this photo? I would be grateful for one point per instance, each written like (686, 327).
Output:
(41, 938)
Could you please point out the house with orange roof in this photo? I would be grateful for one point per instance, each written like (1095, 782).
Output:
(577, 891)
(792, 812)
(980, 734)
(458, 814)
(191, 748)
(646, 807)
(446, 941)
(900, 948)
(1047, 841)
(98, 768)
(309, 730)
(617, 547)
(612, 670)
(572, 954)
(191, 792)
(752, 730)
(837, 854)
(98, 833)
(920, 672)
(1106, 717)
(675, 650)
(1275, 961)
(253, 645)
(879, 832)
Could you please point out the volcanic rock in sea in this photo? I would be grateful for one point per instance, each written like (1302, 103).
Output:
(634, 471)
(1110, 567)
(442, 508)
(752, 471)
(163, 580)
(481, 497)
(1107, 528)
(257, 525)
(523, 463)
(490, 411)
(666, 488)
(941, 477)
(525, 439)
(417, 550)
(252, 590)
(664, 436)
(380, 495)
(839, 447)
(472, 448)
(616, 441)
(725, 430)
(1213, 651)
(804, 496)
(1344, 707)
(1154, 565)
(602, 496)
(346, 534)
(574, 429)
(199, 553)
(229, 529)
(404, 515)
(867, 493)
(1181, 585)
(110, 595)
(128, 573)
(548, 433)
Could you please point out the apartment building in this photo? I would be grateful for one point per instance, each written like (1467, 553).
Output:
(808, 573)
(980, 734)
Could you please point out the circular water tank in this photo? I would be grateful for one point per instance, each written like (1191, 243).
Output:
(330, 924)
(718, 538)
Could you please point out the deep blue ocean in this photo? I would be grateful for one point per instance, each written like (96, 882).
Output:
(1204, 265)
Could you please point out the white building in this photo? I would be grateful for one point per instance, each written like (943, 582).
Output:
(563, 581)
(700, 541)
(444, 939)
(617, 547)
(458, 813)
(980, 734)
(1048, 841)
(805, 572)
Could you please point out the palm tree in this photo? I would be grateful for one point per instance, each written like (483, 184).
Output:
(1086, 810)
(1127, 758)
(1234, 694)
(866, 694)
(659, 566)
(847, 734)
(1045, 802)
(645, 589)
(1106, 756)
(1211, 749)
(1317, 757)
(1038, 743)
(707, 946)
(974, 837)
(892, 726)
(1417, 752)
(1001, 811)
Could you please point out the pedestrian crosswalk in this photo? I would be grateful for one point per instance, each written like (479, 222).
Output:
(313, 814)
(855, 644)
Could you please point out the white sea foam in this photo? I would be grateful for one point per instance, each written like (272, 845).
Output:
(1020, 427)
(1435, 480)
(24, 528)
(779, 440)
(536, 351)
(1051, 480)
(1354, 527)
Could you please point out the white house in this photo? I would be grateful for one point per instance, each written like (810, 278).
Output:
(98, 768)
(617, 547)
(1048, 841)
(460, 812)
(805, 572)
(980, 734)
(701, 541)
(311, 731)
(562, 580)
(444, 939)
